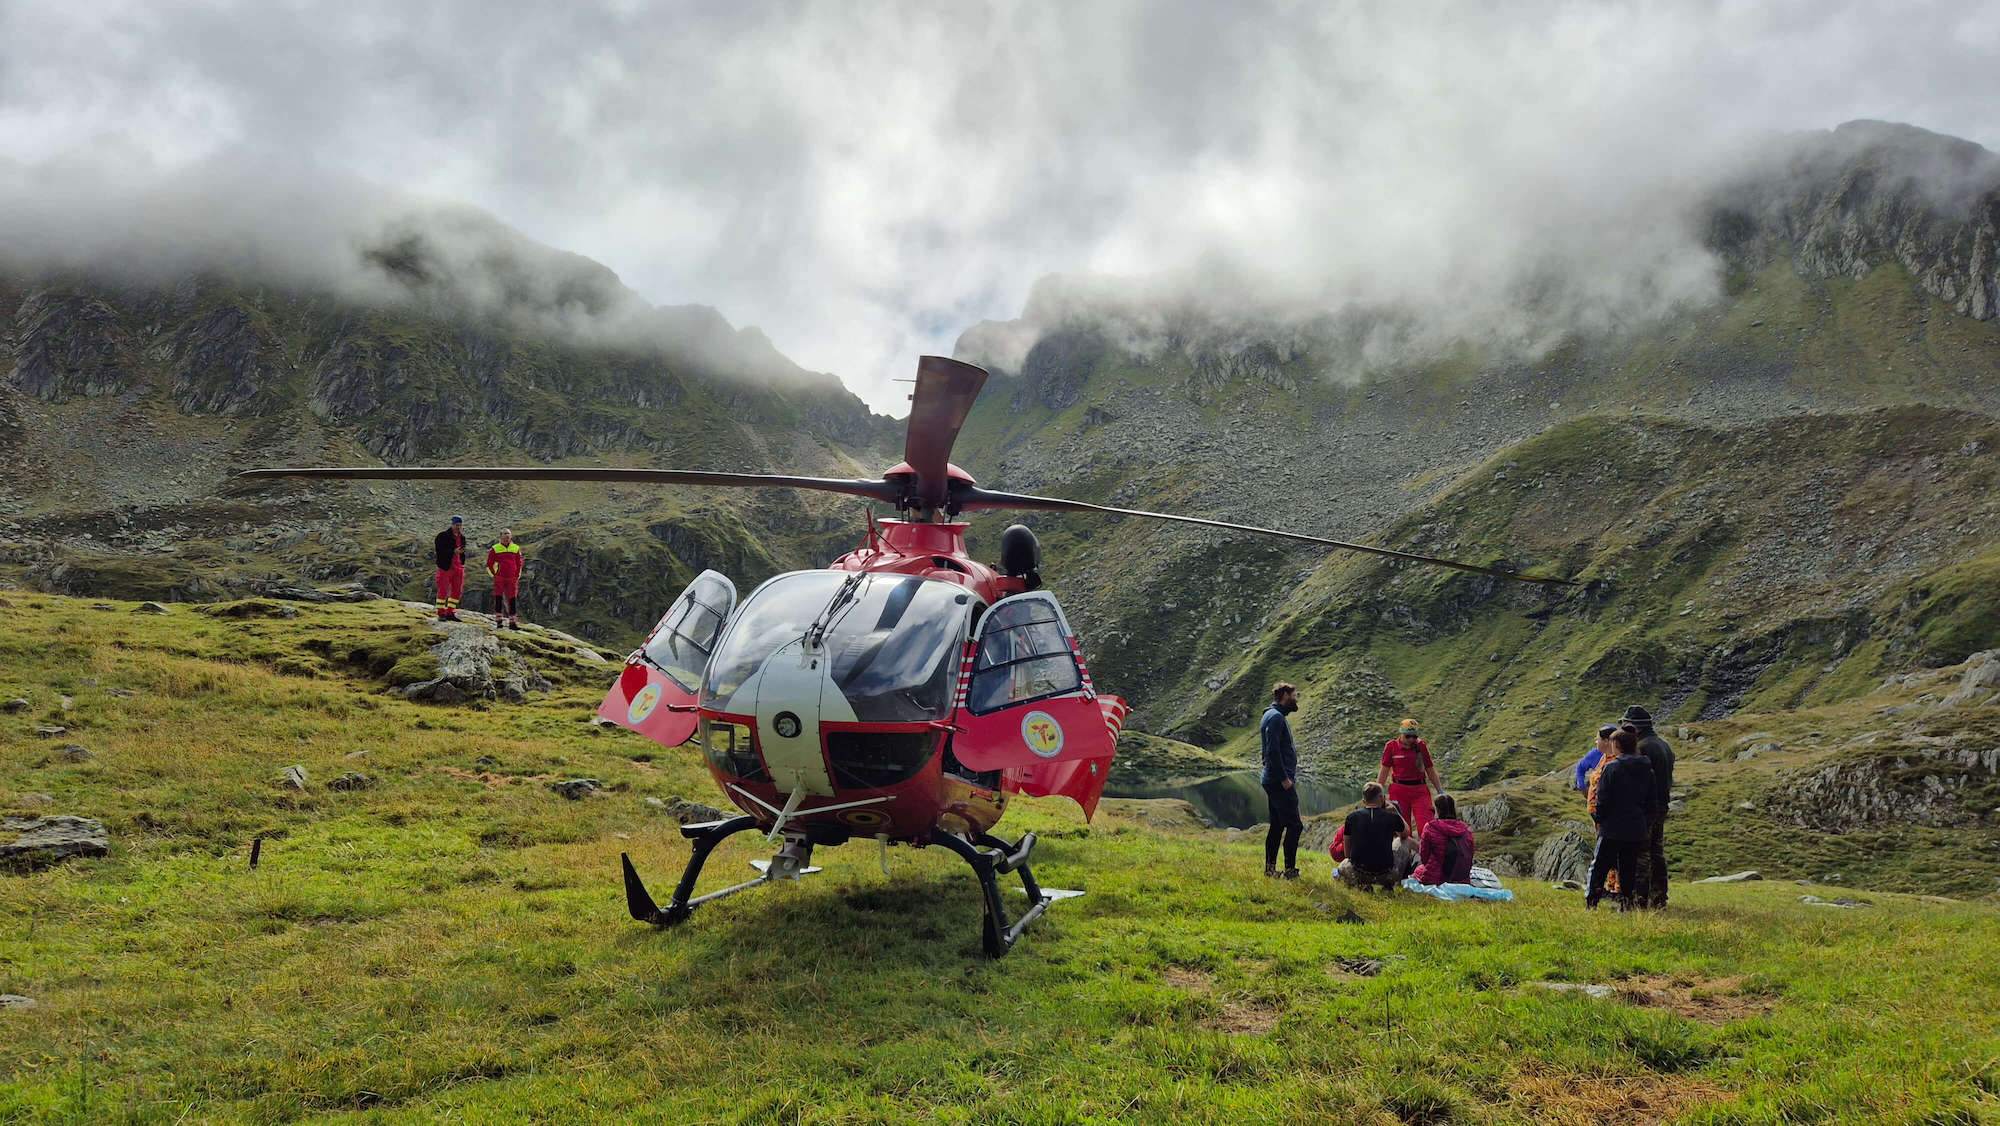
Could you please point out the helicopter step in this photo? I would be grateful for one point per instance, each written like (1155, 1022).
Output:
(992, 858)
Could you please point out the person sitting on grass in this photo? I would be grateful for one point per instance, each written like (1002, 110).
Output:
(1446, 848)
(1372, 833)
(1623, 813)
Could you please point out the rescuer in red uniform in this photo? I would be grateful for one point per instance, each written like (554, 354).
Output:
(450, 546)
(1407, 771)
(503, 562)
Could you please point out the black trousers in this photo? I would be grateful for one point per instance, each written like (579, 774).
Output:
(1653, 885)
(1625, 855)
(1285, 825)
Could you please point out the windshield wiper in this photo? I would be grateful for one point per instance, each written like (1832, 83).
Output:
(816, 633)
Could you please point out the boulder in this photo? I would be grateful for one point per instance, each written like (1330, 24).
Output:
(76, 752)
(1565, 857)
(16, 1001)
(15, 705)
(293, 776)
(352, 780)
(150, 608)
(1487, 816)
(43, 841)
(1980, 685)
(687, 812)
(50, 730)
(438, 691)
(1737, 878)
(576, 789)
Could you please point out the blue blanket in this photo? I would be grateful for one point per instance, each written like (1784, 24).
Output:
(1452, 893)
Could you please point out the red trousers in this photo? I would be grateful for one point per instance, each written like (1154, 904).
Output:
(507, 586)
(450, 584)
(1416, 805)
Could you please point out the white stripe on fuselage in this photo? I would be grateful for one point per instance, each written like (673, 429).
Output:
(800, 682)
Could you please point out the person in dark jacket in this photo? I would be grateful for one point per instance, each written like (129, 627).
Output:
(1372, 834)
(450, 545)
(1624, 817)
(1281, 782)
(1445, 850)
(1653, 869)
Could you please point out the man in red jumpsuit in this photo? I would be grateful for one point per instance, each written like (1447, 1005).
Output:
(1407, 771)
(503, 562)
(450, 546)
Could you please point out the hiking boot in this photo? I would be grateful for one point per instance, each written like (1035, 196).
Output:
(1590, 902)
(1291, 874)
(1270, 872)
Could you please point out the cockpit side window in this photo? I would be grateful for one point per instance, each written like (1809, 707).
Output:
(1023, 655)
(680, 644)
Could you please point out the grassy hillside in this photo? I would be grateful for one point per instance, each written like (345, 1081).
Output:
(450, 942)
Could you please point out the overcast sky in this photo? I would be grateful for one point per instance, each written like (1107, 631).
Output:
(865, 180)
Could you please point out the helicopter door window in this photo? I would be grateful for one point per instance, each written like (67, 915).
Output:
(1024, 654)
(680, 645)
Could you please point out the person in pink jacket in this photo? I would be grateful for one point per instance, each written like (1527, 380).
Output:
(1444, 855)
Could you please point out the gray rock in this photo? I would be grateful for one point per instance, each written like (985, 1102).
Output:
(693, 812)
(43, 841)
(50, 730)
(1737, 878)
(1677, 806)
(16, 1001)
(76, 752)
(437, 691)
(1843, 901)
(1487, 816)
(150, 608)
(1980, 685)
(1747, 806)
(352, 780)
(15, 705)
(355, 755)
(294, 776)
(1565, 856)
(65, 702)
(1600, 992)
(36, 801)
(103, 606)
(576, 789)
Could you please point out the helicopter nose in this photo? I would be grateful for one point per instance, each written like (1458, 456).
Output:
(793, 694)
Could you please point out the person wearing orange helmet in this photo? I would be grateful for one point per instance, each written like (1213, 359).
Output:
(1408, 773)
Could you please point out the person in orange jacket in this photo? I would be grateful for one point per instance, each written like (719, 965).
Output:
(503, 562)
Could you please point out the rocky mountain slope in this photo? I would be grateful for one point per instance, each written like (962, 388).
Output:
(127, 406)
(1854, 265)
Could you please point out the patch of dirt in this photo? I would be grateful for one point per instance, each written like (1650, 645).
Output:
(1610, 1100)
(488, 778)
(1715, 1002)
(1235, 1016)
(1244, 1018)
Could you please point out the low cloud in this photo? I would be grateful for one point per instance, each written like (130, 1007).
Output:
(865, 182)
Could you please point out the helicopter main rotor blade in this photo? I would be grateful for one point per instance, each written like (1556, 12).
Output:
(975, 498)
(874, 490)
(944, 395)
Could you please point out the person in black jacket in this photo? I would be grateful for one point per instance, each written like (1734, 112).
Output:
(450, 546)
(1624, 817)
(1375, 836)
(1281, 782)
(1653, 862)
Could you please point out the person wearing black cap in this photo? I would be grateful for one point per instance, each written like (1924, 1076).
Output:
(450, 545)
(1653, 863)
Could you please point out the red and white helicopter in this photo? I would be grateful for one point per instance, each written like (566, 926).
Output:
(903, 694)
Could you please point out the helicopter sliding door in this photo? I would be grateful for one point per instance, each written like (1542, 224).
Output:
(655, 696)
(1027, 708)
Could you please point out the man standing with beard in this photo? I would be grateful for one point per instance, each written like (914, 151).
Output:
(1281, 782)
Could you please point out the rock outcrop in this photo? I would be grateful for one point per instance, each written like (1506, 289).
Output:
(42, 841)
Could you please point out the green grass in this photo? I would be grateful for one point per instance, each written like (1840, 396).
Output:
(441, 947)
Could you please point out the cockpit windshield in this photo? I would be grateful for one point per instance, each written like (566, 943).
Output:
(893, 640)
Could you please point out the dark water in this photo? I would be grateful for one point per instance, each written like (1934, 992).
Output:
(1236, 801)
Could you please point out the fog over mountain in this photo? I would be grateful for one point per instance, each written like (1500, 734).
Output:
(864, 183)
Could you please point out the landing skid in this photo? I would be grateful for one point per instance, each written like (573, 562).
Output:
(992, 858)
(790, 863)
(989, 856)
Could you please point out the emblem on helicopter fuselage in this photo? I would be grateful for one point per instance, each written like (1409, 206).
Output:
(643, 704)
(1042, 733)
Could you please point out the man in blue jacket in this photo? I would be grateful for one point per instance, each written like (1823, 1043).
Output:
(1281, 782)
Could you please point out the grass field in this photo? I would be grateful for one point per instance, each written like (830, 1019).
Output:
(450, 944)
